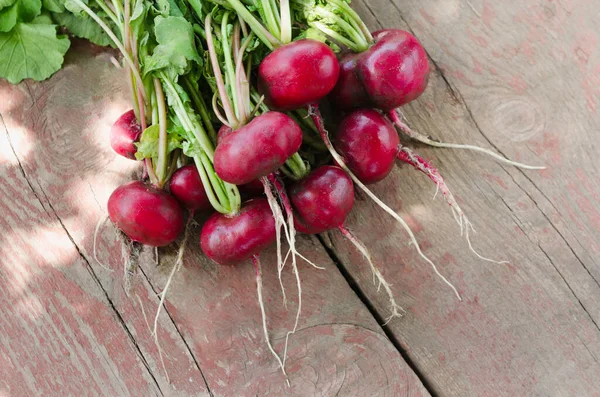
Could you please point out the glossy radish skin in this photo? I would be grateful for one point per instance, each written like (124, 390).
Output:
(369, 144)
(186, 186)
(229, 240)
(395, 70)
(322, 200)
(258, 148)
(145, 214)
(124, 133)
(349, 92)
(298, 74)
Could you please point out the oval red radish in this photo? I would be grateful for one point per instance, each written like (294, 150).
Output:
(231, 239)
(146, 214)
(322, 200)
(297, 74)
(124, 133)
(186, 186)
(349, 92)
(369, 144)
(258, 148)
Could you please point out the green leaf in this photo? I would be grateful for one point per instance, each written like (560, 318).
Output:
(176, 45)
(53, 5)
(147, 147)
(31, 50)
(20, 11)
(6, 3)
(83, 27)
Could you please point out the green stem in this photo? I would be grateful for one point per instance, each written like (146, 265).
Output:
(116, 41)
(263, 34)
(354, 16)
(214, 60)
(208, 187)
(297, 166)
(356, 35)
(335, 35)
(216, 182)
(190, 126)
(269, 17)
(161, 164)
(201, 108)
(229, 68)
(286, 21)
(108, 12)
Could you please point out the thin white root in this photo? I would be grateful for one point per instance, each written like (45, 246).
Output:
(396, 118)
(279, 223)
(99, 225)
(156, 259)
(176, 267)
(397, 310)
(408, 156)
(314, 111)
(258, 271)
(158, 347)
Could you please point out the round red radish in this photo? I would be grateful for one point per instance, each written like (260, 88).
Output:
(395, 70)
(231, 239)
(124, 133)
(349, 92)
(369, 144)
(145, 214)
(186, 186)
(322, 200)
(258, 148)
(298, 74)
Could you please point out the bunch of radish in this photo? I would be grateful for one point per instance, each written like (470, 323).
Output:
(226, 118)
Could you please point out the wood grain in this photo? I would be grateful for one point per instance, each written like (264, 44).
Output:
(59, 174)
(518, 76)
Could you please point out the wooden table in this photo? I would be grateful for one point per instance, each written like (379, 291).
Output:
(520, 76)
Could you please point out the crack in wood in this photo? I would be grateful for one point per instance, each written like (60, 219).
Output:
(187, 346)
(331, 252)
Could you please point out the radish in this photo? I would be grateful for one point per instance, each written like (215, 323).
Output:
(146, 214)
(297, 74)
(258, 148)
(322, 201)
(370, 146)
(186, 186)
(369, 143)
(124, 133)
(231, 239)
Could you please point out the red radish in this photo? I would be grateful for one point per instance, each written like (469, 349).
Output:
(322, 200)
(297, 74)
(369, 144)
(186, 186)
(349, 92)
(392, 72)
(146, 214)
(124, 133)
(258, 148)
(231, 239)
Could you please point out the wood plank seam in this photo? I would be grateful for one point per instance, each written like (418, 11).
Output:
(185, 342)
(329, 247)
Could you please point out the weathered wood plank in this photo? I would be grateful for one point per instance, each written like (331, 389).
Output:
(213, 326)
(518, 75)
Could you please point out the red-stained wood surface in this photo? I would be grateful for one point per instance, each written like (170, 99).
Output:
(521, 77)
(67, 326)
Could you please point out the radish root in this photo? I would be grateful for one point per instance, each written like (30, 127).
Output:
(130, 251)
(406, 155)
(397, 310)
(279, 223)
(396, 118)
(318, 120)
(99, 225)
(258, 271)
